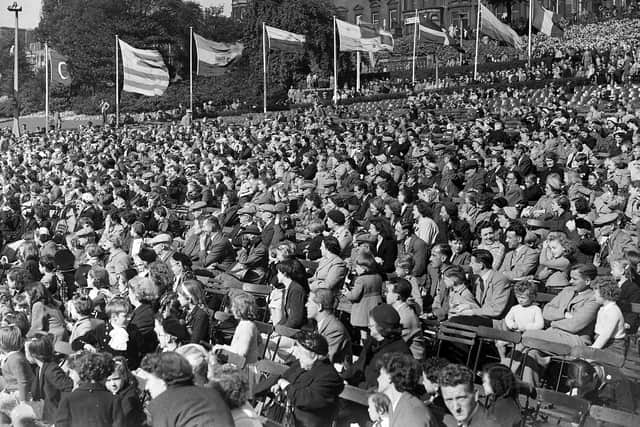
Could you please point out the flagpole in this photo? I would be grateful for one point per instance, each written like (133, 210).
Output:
(264, 67)
(358, 63)
(191, 70)
(117, 85)
(475, 62)
(530, 17)
(437, 79)
(46, 87)
(335, 62)
(415, 42)
(461, 31)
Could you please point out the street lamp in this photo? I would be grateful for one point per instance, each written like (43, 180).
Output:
(16, 111)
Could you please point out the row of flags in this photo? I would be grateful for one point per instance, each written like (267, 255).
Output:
(146, 73)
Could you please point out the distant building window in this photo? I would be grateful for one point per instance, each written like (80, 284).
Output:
(375, 18)
(393, 18)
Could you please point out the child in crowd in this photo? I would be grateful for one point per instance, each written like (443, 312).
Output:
(85, 330)
(609, 330)
(51, 381)
(90, 403)
(524, 316)
(49, 280)
(404, 267)
(461, 256)
(98, 287)
(122, 384)
(380, 409)
(16, 371)
(460, 297)
(119, 338)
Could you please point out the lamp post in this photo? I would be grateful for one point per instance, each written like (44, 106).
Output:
(16, 111)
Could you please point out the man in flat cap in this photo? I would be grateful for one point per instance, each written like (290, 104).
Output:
(614, 239)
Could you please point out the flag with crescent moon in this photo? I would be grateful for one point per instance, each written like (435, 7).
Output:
(59, 68)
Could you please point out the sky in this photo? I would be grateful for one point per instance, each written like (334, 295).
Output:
(30, 14)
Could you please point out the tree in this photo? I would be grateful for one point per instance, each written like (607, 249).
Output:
(313, 18)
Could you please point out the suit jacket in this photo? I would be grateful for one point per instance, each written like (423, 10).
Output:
(418, 249)
(89, 405)
(330, 273)
(629, 293)
(189, 405)
(143, 319)
(583, 308)
(493, 296)
(338, 338)
(519, 262)
(388, 251)
(411, 411)
(479, 418)
(293, 306)
(363, 208)
(48, 385)
(218, 250)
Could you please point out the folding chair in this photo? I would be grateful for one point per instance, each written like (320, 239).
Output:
(602, 356)
(261, 293)
(282, 331)
(485, 334)
(459, 334)
(561, 407)
(612, 417)
(556, 350)
(265, 329)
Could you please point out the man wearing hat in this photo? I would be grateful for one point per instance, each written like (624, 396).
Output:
(196, 210)
(337, 228)
(311, 383)
(246, 218)
(271, 232)
(612, 237)
(161, 244)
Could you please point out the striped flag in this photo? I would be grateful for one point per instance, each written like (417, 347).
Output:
(144, 71)
(498, 30)
(214, 57)
(433, 33)
(284, 40)
(363, 37)
(546, 21)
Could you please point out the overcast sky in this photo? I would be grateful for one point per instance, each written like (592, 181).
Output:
(30, 14)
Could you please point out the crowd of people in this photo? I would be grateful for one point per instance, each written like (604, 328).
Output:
(145, 268)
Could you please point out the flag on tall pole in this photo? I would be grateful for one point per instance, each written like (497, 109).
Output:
(284, 40)
(498, 30)
(416, 24)
(215, 57)
(546, 21)
(144, 71)
(364, 37)
(46, 87)
(264, 66)
(59, 68)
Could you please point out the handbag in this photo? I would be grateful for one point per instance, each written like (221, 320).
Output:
(280, 410)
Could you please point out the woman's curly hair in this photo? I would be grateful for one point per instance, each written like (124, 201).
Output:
(93, 367)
